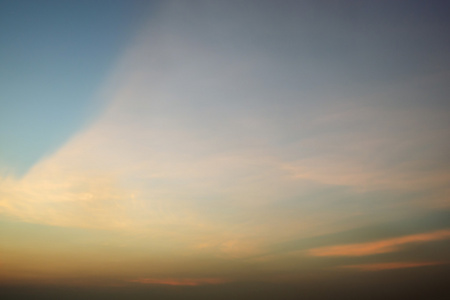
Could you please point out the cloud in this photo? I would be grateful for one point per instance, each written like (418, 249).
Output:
(391, 266)
(378, 247)
(371, 147)
(179, 281)
(208, 140)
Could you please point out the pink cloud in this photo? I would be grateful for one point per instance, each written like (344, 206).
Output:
(390, 266)
(179, 281)
(382, 246)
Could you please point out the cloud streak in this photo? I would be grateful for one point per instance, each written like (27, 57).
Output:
(179, 281)
(378, 247)
(391, 266)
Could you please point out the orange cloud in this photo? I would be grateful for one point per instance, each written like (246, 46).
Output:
(179, 281)
(391, 266)
(383, 246)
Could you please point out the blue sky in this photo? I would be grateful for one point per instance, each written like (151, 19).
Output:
(54, 57)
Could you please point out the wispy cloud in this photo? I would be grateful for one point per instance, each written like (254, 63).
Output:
(210, 144)
(391, 266)
(378, 247)
(179, 281)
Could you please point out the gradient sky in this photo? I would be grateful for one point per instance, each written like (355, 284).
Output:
(213, 143)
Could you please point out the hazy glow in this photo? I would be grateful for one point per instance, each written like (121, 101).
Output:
(238, 142)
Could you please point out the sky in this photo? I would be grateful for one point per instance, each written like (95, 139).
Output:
(224, 149)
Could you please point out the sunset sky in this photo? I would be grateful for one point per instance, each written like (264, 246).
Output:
(186, 149)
